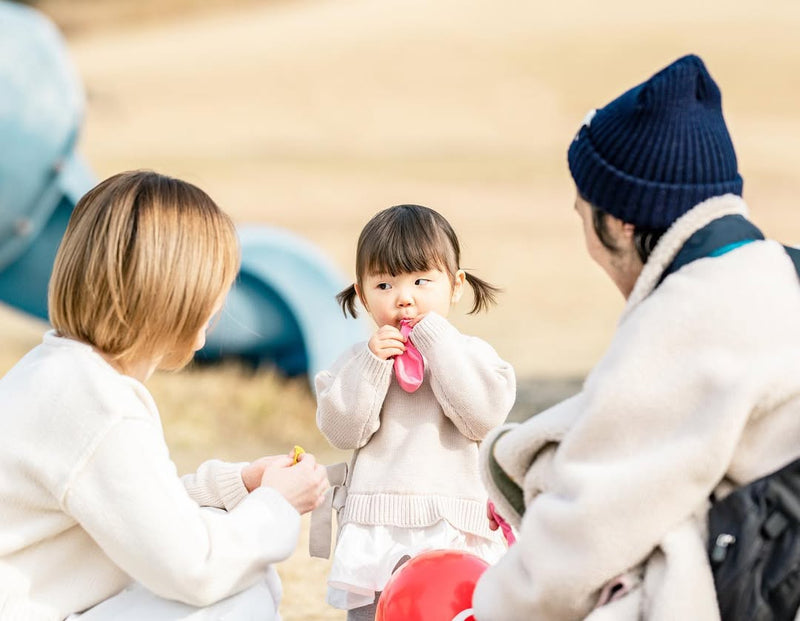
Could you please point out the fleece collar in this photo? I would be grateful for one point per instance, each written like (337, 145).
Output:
(674, 239)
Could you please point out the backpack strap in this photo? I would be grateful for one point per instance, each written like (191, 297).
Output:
(321, 527)
(718, 237)
(713, 240)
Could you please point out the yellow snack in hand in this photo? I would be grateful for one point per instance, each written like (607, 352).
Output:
(298, 450)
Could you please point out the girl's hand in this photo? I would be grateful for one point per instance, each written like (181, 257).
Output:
(417, 319)
(252, 472)
(303, 485)
(493, 524)
(496, 521)
(387, 342)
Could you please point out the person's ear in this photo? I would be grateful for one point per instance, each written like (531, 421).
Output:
(360, 296)
(459, 280)
(621, 232)
(628, 230)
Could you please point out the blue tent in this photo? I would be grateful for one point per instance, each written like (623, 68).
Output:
(282, 309)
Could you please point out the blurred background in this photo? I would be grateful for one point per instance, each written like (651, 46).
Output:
(312, 115)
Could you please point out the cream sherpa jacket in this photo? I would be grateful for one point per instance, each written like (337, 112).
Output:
(700, 388)
(89, 498)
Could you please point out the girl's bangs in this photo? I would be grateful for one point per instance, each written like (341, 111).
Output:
(398, 255)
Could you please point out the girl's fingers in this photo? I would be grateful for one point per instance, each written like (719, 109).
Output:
(387, 342)
(392, 342)
(390, 333)
(417, 319)
(493, 525)
(389, 347)
(390, 338)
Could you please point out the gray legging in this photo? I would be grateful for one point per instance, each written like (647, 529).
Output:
(367, 613)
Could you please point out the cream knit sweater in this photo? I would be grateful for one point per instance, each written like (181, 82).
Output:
(89, 498)
(699, 388)
(418, 458)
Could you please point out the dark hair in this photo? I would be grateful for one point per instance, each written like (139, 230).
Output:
(643, 239)
(411, 238)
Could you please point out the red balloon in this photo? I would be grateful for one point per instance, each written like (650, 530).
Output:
(434, 586)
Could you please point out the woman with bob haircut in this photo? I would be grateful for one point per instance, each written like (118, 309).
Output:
(93, 516)
(698, 392)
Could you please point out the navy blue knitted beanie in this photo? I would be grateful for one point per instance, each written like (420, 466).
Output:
(657, 150)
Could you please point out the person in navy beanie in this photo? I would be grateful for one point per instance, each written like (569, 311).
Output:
(609, 490)
(658, 150)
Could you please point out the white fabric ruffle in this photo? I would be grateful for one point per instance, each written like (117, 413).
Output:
(366, 556)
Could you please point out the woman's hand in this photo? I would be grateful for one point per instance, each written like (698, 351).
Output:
(303, 484)
(253, 472)
(387, 342)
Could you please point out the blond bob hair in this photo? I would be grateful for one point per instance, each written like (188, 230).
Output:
(143, 262)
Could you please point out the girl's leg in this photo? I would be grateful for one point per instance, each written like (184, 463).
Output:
(365, 613)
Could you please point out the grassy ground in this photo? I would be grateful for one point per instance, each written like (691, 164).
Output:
(314, 114)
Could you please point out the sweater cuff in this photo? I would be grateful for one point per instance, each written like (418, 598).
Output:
(431, 330)
(216, 484)
(230, 484)
(373, 368)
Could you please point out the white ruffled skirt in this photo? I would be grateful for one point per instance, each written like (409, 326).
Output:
(365, 556)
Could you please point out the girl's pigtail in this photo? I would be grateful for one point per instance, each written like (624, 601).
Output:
(484, 293)
(347, 300)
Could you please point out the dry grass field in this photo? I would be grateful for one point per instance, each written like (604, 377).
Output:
(314, 114)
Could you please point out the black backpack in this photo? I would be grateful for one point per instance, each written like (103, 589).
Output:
(754, 543)
(754, 547)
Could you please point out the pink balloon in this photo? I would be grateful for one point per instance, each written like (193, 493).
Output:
(409, 366)
(434, 586)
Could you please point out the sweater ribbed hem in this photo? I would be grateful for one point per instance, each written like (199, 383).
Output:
(430, 330)
(417, 511)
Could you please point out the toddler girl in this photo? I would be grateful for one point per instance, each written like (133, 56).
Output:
(92, 513)
(415, 483)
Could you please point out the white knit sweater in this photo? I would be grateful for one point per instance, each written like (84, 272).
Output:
(418, 458)
(89, 498)
(699, 388)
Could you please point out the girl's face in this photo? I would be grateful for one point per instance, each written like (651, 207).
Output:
(388, 299)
